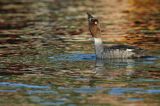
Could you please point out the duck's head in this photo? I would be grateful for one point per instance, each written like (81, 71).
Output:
(92, 20)
(94, 26)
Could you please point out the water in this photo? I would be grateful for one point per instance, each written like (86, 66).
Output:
(47, 57)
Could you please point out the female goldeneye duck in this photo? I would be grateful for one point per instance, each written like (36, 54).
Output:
(115, 51)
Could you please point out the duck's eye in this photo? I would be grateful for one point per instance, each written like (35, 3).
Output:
(96, 22)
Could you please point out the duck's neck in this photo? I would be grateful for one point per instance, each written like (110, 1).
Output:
(98, 47)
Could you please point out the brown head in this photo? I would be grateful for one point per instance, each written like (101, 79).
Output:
(94, 26)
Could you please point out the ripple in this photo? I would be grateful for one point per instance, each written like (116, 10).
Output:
(87, 90)
(153, 91)
(123, 91)
(11, 91)
(73, 57)
(146, 80)
(41, 92)
(135, 99)
(19, 85)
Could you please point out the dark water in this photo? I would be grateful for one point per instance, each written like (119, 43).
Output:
(47, 57)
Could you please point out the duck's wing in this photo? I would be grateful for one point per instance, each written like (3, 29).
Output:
(124, 47)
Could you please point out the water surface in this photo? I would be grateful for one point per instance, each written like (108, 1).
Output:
(47, 57)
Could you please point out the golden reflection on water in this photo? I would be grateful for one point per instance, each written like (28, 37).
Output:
(134, 22)
(32, 31)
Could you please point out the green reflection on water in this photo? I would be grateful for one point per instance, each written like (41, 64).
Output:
(32, 31)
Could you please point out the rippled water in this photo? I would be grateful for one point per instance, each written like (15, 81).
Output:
(47, 57)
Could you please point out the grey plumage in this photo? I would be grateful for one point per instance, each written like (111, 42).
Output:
(122, 51)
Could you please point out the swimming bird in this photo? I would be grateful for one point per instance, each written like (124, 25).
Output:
(114, 51)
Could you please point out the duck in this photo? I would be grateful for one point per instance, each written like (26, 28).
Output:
(119, 51)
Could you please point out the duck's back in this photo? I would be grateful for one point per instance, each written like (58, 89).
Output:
(122, 51)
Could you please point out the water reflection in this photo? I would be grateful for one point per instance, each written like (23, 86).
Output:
(2, 84)
(109, 69)
(74, 95)
(33, 30)
(122, 91)
(113, 68)
(111, 79)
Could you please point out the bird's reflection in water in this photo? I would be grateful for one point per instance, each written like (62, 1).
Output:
(111, 68)
(114, 67)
